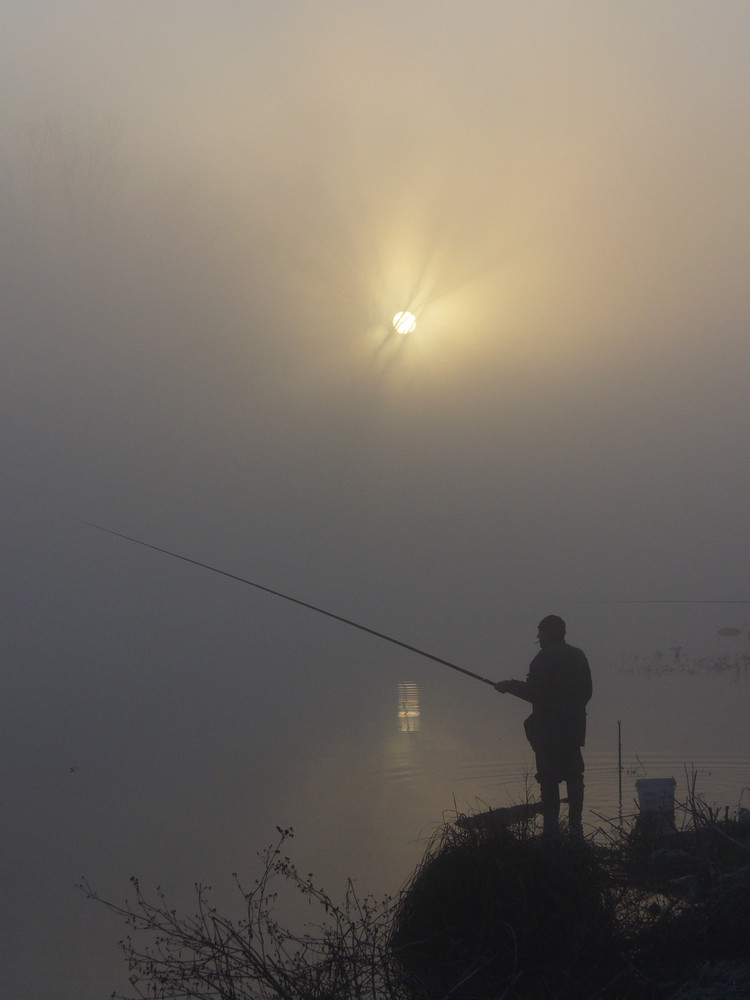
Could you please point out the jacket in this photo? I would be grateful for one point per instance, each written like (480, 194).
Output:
(559, 687)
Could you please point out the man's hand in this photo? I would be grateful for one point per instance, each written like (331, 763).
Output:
(502, 687)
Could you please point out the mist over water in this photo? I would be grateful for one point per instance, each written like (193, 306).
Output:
(183, 773)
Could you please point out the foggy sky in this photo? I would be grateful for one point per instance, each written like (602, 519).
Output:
(210, 216)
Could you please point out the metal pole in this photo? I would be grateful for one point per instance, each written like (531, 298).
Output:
(619, 761)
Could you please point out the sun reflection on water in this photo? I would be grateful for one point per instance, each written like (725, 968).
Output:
(408, 707)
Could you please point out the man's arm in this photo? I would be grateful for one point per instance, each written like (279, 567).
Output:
(518, 688)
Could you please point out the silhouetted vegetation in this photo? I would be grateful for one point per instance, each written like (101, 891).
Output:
(676, 661)
(209, 955)
(643, 911)
(490, 912)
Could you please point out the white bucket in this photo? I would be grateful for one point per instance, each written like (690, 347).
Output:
(656, 797)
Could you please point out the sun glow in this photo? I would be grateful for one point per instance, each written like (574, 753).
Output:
(404, 322)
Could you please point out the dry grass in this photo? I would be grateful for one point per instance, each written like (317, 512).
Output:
(717, 981)
(491, 912)
(642, 912)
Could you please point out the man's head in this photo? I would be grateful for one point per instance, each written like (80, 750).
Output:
(550, 629)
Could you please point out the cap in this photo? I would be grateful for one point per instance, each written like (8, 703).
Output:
(553, 626)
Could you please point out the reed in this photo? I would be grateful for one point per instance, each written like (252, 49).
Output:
(637, 912)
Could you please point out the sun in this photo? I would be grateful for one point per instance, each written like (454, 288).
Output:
(404, 322)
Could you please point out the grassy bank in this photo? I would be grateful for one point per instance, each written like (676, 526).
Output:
(642, 910)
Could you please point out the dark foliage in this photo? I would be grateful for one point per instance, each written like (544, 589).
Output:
(212, 957)
(642, 912)
(492, 913)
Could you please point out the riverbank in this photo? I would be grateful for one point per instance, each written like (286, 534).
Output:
(644, 911)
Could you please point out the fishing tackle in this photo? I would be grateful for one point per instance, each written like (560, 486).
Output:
(293, 600)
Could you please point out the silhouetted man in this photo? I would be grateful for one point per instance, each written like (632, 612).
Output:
(558, 686)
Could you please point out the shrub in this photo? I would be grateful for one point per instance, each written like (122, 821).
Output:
(491, 912)
(256, 958)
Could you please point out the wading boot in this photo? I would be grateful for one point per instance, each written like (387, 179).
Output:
(575, 806)
(550, 808)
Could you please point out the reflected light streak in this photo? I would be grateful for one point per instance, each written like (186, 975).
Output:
(408, 707)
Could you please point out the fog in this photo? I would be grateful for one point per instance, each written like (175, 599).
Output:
(210, 218)
(209, 215)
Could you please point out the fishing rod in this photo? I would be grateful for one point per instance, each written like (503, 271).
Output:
(292, 600)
